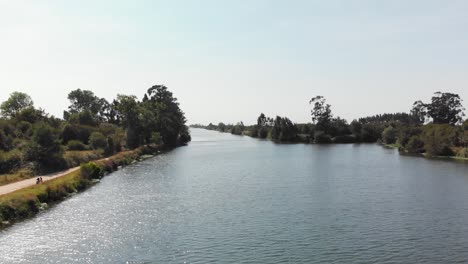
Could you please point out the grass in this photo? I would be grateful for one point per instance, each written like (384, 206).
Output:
(14, 177)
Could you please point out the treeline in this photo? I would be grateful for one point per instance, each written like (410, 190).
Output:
(33, 141)
(434, 129)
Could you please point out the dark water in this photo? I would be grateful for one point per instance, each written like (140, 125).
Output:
(230, 199)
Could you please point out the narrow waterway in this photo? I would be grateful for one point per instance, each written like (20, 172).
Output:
(232, 199)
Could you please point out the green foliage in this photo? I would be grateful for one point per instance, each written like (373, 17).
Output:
(45, 148)
(156, 138)
(414, 145)
(10, 161)
(6, 142)
(24, 129)
(321, 113)
(238, 128)
(389, 135)
(356, 129)
(283, 130)
(77, 132)
(439, 139)
(15, 103)
(371, 132)
(91, 170)
(445, 108)
(76, 145)
(321, 138)
(97, 140)
(83, 100)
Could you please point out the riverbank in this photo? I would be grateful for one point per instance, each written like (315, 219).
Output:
(27, 202)
(304, 139)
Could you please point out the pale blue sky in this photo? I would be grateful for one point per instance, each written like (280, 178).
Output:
(230, 60)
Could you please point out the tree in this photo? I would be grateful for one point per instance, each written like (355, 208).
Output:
(389, 135)
(356, 129)
(445, 108)
(45, 148)
(128, 107)
(283, 130)
(15, 104)
(170, 118)
(321, 113)
(82, 100)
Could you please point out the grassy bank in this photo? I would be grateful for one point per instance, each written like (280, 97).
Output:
(29, 201)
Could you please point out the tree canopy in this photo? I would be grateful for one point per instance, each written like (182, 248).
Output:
(15, 104)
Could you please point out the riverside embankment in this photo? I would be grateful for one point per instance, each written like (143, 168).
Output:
(24, 199)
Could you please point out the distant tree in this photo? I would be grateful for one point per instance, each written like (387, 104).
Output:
(321, 113)
(262, 120)
(16, 103)
(389, 135)
(221, 127)
(445, 108)
(356, 129)
(82, 100)
(284, 130)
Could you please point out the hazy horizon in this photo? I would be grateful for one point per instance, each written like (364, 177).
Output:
(230, 61)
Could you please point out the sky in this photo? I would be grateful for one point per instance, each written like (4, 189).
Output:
(228, 61)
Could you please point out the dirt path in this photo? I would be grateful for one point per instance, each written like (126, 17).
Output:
(9, 188)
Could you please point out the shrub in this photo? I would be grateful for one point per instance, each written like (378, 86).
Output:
(75, 158)
(45, 148)
(97, 140)
(91, 170)
(10, 161)
(321, 138)
(76, 145)
(24, 128)
(389, 135)
(414, 145)
(439, 139)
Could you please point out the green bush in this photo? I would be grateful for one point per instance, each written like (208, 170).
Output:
(76, 145)
(10, 161)
(321, 138)
(97, 140)
(91, 170)
(415, 145)
(389, 135)
(439, 139)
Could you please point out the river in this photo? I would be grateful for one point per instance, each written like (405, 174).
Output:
(233, 199)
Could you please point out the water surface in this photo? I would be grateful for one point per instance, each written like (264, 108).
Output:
(232, 199)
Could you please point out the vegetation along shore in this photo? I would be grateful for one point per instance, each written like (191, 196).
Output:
(432, 129)
(94, 134)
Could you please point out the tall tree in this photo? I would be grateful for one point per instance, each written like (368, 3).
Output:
(170, 118)
(129, 108)
(16, 103)
(321, 113)
(83, 100)
(445, 108)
